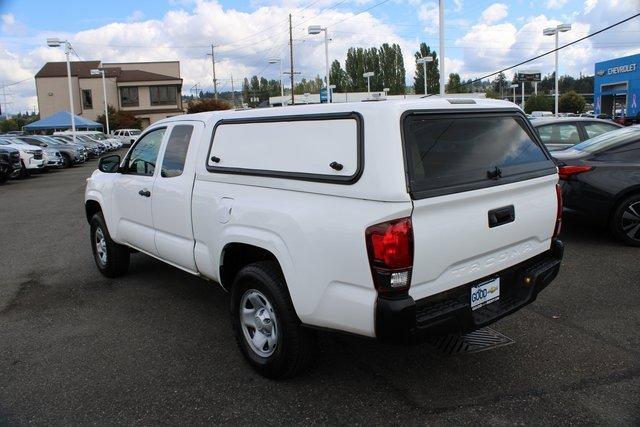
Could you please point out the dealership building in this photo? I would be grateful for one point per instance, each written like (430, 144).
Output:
(617, 86)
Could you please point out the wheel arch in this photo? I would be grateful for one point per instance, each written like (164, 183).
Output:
(237, 254)
(92, 207)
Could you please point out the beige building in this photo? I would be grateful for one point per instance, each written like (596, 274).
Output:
(150, 90)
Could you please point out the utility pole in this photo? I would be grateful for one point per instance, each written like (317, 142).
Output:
(213, 65)
(233, 92)
(291, 60)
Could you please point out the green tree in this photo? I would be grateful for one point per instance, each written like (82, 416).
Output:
(338, 77)
(538, 102)
(500, 84)
(354, 68)
(433, 75)
(454, 85)
(571, 102)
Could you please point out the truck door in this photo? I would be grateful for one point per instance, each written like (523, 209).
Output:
(133, 193)
(172, 195)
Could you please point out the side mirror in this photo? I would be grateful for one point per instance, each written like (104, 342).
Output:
(109, 164)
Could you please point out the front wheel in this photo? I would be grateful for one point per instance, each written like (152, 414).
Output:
(112, 259)
(625, 222)
(267, 329)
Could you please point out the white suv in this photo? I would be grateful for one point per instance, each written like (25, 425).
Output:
(388, 219)
(127, 136)
(31, 158)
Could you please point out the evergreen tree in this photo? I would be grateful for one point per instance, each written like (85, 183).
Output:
(433, 75)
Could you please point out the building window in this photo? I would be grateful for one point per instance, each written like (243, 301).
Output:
(87, 99)
(163, 95)
(129, 96)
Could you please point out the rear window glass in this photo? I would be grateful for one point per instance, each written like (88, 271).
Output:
(447, 154)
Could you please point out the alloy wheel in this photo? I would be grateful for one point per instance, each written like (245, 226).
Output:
(631, 221)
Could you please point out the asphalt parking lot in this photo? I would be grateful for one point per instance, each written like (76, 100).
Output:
(156, 346)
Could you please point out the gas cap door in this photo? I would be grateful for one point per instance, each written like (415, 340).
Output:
(225, 208)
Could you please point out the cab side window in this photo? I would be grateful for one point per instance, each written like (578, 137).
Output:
(144, 155)
(176, 152)
(595, 128)
(566, 133)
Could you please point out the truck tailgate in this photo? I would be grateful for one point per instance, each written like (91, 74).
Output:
(454, 242)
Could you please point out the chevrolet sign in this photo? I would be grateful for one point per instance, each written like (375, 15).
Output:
(622, 69)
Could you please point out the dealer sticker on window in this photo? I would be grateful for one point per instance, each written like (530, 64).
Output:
(485, 293)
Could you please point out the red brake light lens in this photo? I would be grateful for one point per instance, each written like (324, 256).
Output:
(567, 171)
(390, 244)
(390, 249)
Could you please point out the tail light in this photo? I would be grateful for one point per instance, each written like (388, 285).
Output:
(568, 171)
(390, 249)
(556, 230)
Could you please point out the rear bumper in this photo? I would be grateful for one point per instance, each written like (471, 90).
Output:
(450, 311)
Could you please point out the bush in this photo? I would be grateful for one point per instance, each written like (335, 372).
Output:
(119, 120)
(572, 102)
(210, 104)
(538, 103)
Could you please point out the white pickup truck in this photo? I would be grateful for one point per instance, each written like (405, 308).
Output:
(387, 219)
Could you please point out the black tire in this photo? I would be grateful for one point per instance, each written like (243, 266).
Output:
(66, 161)
(4, 174)
(24, 172)
(116, 261)
(625, 221)
(294, 343)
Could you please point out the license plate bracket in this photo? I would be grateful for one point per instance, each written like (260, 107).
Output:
(485, 293)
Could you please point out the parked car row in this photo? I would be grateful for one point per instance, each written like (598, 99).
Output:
(20, 155)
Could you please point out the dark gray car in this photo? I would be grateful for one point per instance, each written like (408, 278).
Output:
(558, 133)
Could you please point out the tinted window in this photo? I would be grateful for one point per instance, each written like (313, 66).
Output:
(465, 151)
(608, 140)
(143, 156)
(595, 129)
(87, 99)
(176, 151)
(162, 95)
(566, 133)
(129, 96)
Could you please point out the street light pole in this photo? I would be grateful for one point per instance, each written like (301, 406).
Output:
(514, 86)
(561, 28)
(273, 61)
(424, 60)
(96, 72)
(368, 76)
(316, 29)
(441, 42)
(56, 42)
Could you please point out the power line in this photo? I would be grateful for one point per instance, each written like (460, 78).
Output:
(544, 54)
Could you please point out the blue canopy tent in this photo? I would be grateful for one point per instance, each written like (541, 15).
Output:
(62, 121)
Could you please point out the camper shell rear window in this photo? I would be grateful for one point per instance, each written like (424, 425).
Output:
(454, 152)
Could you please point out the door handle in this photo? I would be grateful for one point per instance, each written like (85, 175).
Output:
(144, 193)
(501, 216)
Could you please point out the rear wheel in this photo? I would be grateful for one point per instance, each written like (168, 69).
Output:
(112, 259)
(267, 329)
(625, 222)
(66, 161)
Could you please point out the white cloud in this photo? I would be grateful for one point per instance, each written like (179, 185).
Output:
(457, 5)
(589, 5)
(428, 13)
(9, 25)
(494, 13)
(136, 16)
(555, 4)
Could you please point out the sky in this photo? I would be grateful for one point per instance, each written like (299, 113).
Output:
(481, 36)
